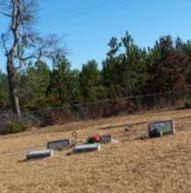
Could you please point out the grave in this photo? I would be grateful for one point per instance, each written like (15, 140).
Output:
(59, 144)
(106, 139)
(94, 139)
(160, 128)
(39, 154)
(87, 148)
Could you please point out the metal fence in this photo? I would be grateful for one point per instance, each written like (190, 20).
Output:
(100, 109)
(156, 103)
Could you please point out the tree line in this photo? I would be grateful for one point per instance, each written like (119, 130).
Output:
(126, 70)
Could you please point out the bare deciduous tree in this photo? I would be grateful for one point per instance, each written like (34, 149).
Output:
(21, 43)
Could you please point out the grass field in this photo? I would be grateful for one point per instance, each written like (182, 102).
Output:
(161, 165)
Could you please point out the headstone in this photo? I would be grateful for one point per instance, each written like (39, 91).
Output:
(106, 139)
(58, 145)
(87, 148)
(157, 129)
(39, 154)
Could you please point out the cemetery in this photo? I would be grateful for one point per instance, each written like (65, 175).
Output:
(93, 143)
(95, 96)
(41, 158)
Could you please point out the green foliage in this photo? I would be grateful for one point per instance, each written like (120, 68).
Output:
(127, 70)
(33, 83)
(90, 82)
(169, 68)
(125, 73)
(4, 98)
(13, 127)
(188, 103)
(63, 86)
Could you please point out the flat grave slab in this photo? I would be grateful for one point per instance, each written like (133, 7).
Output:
(59, 144)
(39, 154)
(157, 129)
(87, 148)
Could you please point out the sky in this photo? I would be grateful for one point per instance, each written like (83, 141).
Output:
(87, 25)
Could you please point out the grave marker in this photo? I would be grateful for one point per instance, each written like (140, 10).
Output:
(106, 139)
(39, 154)
(58, 145)
(87, 148)
(157, 129)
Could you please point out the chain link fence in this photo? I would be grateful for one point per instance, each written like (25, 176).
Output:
(99, 109)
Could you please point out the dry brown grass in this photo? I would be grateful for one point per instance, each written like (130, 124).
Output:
(135, 166)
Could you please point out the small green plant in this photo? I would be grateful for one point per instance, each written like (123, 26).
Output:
(14, 127)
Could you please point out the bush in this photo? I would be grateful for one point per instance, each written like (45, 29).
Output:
(187, 104)
(13, 127)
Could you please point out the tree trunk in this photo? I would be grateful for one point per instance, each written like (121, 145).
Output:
(13, 90)
(11, 71)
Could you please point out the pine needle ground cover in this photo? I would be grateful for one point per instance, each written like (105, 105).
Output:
(131, 165)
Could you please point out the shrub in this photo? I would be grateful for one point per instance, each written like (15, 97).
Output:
(187, 104)
(13, 127)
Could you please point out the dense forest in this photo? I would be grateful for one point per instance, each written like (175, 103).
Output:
(127, 70)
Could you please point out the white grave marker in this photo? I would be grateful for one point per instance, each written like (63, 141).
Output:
(39, 154)
(87, 148)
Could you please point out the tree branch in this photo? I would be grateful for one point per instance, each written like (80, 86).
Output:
(5, 14)
(23, 59)
(3, 38)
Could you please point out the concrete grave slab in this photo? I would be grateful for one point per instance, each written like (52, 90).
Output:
(59, 144)
(157, 129)
(87, 148)
(39, 154)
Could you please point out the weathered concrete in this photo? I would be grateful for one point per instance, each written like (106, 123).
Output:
(59, 145)
(39, 154)
(87, 148)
